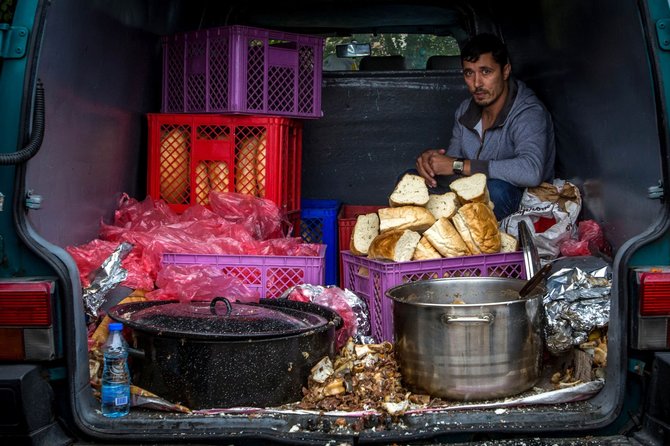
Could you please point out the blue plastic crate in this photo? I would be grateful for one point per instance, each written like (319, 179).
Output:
(318, 224)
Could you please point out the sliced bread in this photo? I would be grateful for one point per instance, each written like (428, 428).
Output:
(479, 228)
(416, 218)
(396, 245)
(365, 230)
(444, 237)
(508, 243)
(443, 205)
(471, 189)
(425, 251)
(411, 190)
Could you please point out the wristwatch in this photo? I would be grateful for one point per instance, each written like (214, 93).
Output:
(458, 166)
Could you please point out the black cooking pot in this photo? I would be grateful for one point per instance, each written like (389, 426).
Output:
(219, 354)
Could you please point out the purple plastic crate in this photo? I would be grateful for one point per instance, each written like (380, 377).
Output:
(370, 279)
(239, 69)
(270, 275)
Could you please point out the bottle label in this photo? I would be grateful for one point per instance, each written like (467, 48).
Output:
(116, 395)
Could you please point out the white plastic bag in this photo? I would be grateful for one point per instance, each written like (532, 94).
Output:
(560, 201)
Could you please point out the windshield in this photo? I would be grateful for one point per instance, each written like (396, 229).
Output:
(414, 49)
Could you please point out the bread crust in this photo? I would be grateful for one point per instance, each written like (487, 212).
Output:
(425, 250)
(365, 230)
(471, 189)
(416, 218)
(396, 245)
(444, 237)
(478, 226)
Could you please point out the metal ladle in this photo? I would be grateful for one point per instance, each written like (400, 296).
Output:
(534, 281)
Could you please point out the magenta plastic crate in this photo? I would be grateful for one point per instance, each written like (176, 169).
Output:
(370, 279)
(239, 69)
(270, 275)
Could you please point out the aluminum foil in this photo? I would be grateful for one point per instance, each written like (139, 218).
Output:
(105, 278)
(357, 305)
(577, 301)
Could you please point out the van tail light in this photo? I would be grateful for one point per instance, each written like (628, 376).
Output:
(655, 294)
(26, 320)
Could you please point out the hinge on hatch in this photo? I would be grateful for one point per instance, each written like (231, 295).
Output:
(13, 41)
(655, 192)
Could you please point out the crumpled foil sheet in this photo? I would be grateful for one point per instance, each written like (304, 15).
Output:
(105, 278)
(358, 306)
(577, 301)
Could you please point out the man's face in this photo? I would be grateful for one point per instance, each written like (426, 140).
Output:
(486, 79)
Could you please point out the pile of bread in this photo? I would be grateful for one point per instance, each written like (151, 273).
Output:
(422, 226)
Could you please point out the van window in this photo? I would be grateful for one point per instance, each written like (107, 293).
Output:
(414, 48)
(7, 8)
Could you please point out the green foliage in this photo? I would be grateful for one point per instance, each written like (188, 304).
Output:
(7, 8)
(416, 48)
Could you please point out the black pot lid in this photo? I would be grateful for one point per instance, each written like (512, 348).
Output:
(217, 318)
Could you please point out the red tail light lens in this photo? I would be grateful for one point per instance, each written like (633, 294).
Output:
(25, 304)
(655, 294)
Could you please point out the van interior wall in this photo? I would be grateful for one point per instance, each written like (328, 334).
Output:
(587, 61)
(102, 75)
(373, 127)
(100, 78)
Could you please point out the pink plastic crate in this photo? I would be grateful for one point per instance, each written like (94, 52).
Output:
(370, 279)
(270, 275)
(239, 69)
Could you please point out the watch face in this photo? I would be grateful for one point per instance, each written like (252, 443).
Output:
(458, 166)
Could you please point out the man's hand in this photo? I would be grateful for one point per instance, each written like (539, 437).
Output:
(433, 162)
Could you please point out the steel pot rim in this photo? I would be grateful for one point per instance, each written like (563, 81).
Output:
(535, 294)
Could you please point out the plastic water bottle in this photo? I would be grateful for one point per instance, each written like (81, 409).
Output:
(115, 374)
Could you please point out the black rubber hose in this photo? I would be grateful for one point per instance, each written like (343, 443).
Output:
(36, 137)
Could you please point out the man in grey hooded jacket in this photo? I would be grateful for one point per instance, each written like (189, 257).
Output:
(503, 131)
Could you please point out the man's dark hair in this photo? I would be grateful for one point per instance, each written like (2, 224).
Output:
(485, 43)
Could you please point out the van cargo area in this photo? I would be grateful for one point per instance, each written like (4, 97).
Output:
(601, 68)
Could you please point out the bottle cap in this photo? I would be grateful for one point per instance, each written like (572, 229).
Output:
(115, 326)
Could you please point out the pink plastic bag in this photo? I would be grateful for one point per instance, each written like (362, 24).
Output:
(333, 298)
(591, 241)
(188, 282)
(572, 248)
(591, 232)
(260, 216)
(90, 256)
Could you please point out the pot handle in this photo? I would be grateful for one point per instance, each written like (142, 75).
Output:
(452, 318)
(212, 305)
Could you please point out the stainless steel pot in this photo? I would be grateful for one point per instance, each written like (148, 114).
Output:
(468, 338)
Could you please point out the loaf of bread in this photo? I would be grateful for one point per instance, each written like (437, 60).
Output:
(202, 186)
(472, 189)
(411, 190)
(478, 227)
(508, 243)
(365, 230)
(174, 166)
(397, 245)
(444, 237)
(443, 205)
(425, 251)
(416, 218)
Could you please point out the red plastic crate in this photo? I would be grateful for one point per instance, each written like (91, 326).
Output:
(254, 155)
(370, 279)
(269, 275)
(346, 220)
(239, 69)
